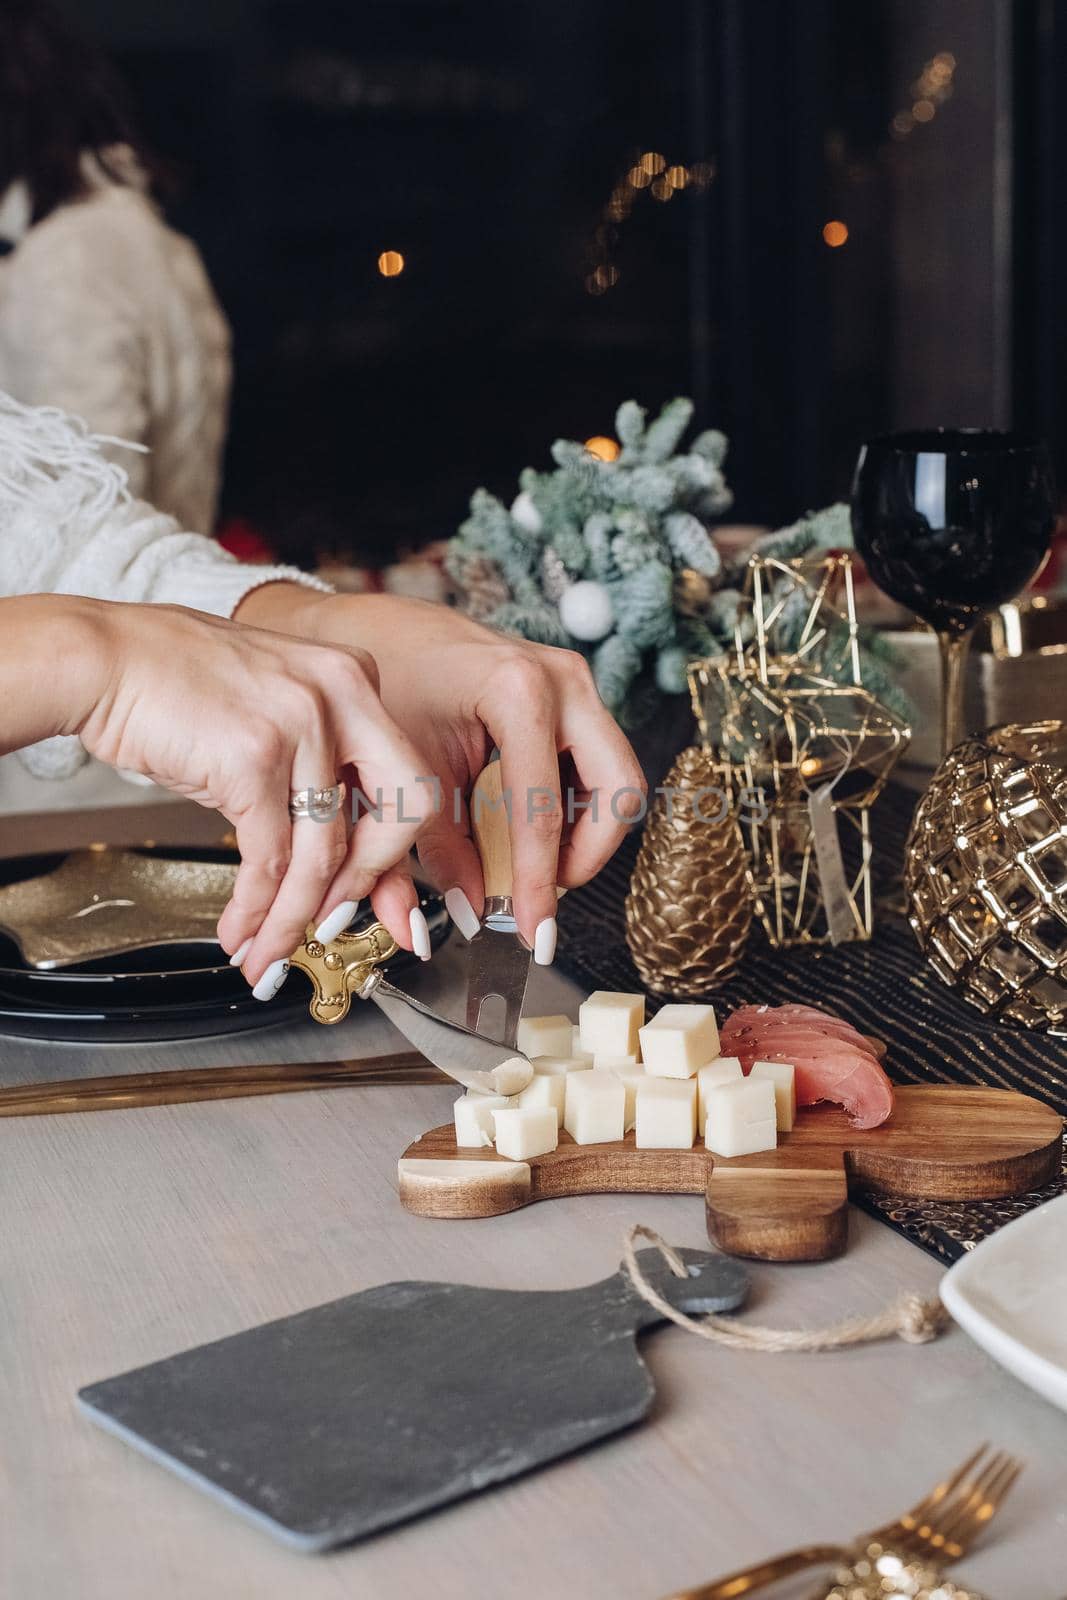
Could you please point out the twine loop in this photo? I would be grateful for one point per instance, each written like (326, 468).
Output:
(910, 1318)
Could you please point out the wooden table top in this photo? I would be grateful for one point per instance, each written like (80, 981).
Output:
(127, 1235)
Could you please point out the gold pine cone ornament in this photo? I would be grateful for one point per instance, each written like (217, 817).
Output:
(689, 908)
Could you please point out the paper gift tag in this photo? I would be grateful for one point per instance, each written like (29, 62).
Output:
(833, 884)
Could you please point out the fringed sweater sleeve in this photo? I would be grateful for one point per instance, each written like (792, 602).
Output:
(68, 525)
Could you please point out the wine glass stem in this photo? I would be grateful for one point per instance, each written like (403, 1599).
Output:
(954, 647)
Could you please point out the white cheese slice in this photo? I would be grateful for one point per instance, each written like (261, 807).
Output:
(473, 1116)
(666, 1114)
(741, 1117)
(561, 1064)
(546, 1089)
(679, 1040)
(631, 1076)
(596, 1107)
(544, 1036)
(783, 1075)
(609, 1021)
(526, 1131)
(724, 1069)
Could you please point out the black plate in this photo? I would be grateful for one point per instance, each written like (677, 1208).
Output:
(127, 1024)
(174, 992)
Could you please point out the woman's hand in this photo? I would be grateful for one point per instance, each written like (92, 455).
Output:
(238, 719)
(457, 689)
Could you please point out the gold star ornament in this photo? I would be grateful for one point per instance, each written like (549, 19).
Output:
(103, 902)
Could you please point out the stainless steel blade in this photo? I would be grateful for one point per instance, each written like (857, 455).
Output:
(465, 1055)
(498, 968)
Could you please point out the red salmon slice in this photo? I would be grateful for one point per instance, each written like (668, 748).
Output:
(787, 1036)
(756, 1022)
(846, 1077)
(833, 1062)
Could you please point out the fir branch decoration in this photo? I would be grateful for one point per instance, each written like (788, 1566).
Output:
(614, 558)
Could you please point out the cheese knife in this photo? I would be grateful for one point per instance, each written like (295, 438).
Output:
(350, 966)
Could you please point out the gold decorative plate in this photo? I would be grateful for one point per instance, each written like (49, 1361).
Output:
(103, 902)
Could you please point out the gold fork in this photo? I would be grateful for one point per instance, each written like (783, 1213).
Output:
(941, 1528)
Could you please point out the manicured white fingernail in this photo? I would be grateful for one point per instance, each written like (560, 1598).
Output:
(420, 934)
(462, 913)
(238, 957)
(545, 942)
(271, 981)
(336, 921)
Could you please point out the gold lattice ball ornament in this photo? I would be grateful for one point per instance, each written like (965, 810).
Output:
(986, 872)
(689, 908)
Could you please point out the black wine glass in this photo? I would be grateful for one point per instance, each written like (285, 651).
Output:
(951, 523)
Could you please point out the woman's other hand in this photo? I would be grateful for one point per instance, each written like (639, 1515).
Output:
(457, 689)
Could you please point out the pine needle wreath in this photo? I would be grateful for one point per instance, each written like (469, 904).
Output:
(614, 558)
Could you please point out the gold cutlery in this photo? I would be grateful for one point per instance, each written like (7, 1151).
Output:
(182, 1085)
(940, 1528)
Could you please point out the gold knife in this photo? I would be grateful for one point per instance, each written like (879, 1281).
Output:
(185, 1084)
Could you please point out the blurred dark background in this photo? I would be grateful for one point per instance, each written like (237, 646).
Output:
(449, 231)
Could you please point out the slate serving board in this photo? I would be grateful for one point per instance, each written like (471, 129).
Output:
(344, 1420)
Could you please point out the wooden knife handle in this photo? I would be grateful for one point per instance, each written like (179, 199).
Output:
(489, 825)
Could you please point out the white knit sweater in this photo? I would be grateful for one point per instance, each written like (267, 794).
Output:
(108, 313)
(69, 525)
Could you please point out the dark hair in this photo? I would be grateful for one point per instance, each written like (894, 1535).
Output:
(59, 97)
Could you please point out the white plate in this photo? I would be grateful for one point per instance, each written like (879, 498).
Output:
(1010, 1294)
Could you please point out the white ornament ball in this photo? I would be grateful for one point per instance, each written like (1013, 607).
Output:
(585, 610)
(525, 513)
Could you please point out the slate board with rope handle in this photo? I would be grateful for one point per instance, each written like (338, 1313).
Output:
(787, 1204)
(342, 1421)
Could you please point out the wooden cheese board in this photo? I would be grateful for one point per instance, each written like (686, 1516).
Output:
(787, 1204)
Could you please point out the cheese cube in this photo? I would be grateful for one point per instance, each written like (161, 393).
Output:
(596, 1107)
(722, 1070)
(741, 1117)
(609, 1021)
(678, 1040)
(511, 1076)
(630, 1076)
(544, 1036)
(666, 1114)
(784, 1077)
(561, 1064)
(577, 1053)
(473, 1116)
(546, 1089)
(526, 1131)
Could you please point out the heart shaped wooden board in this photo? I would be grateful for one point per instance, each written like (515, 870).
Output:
(787, 1204)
